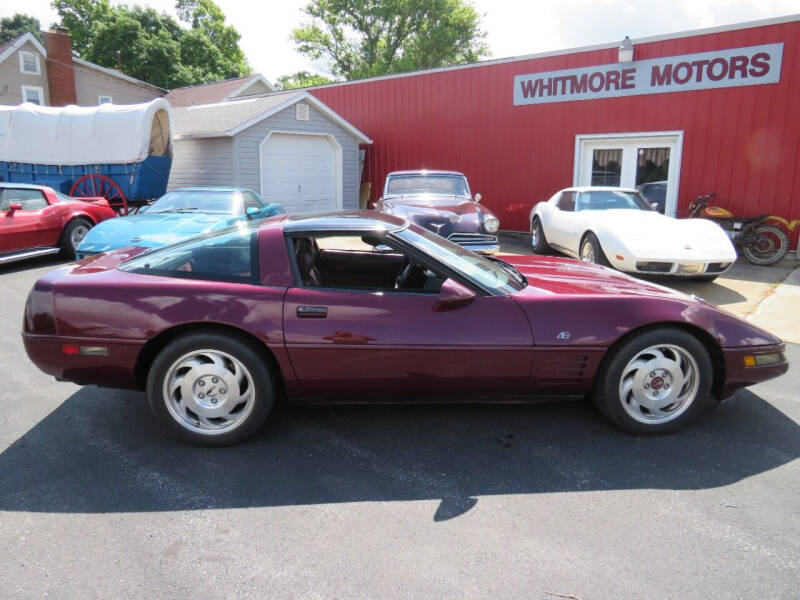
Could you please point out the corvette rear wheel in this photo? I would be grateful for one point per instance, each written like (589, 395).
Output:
(657, 382)
(210, 390)
(73, 235)
(538, 239)
(591, 250)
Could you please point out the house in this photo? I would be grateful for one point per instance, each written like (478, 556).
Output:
(220, 91)
(49, 75)
(289, 146)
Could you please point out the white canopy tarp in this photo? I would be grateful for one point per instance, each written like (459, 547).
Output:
(80, 135)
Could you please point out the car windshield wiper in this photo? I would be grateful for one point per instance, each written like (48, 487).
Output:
(509, 268)
(175, 210)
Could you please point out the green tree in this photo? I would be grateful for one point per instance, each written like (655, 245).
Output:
(362, 38)
(80, 17)
(300, 79)
(222, 58)
(14, 26)
(152, 45)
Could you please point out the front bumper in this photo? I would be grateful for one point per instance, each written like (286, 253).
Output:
(739, 375)
(672, 267)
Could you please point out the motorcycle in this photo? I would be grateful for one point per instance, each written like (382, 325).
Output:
(760, 243)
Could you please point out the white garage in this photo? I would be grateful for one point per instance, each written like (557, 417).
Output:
(302, 171)
(287, 146)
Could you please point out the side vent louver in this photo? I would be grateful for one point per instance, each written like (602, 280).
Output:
(557, 367)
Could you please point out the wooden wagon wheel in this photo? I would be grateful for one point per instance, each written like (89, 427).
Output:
(101, 186)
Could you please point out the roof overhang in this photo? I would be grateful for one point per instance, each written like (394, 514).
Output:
(248, 85)
(292, 100)
(19, 42)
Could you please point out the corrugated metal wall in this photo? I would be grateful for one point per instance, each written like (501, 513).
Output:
(741, 142)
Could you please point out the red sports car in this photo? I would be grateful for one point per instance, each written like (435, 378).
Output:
(36, 220)
(366, 307)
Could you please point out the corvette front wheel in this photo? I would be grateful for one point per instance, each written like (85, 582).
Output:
(210, 390)
(591, 251)
(657, 382)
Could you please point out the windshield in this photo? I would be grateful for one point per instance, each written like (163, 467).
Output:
(607, 199)
(203, 201)
(452, 185)
(495, 276)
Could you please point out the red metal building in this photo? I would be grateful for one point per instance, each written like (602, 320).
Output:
(713, 110)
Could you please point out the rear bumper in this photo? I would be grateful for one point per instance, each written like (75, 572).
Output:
(737, 375)
(116, 370)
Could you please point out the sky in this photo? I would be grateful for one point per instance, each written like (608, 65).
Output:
(513, 27)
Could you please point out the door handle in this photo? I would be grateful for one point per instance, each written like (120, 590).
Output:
(312, 312)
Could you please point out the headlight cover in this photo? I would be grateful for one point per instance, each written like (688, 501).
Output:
(491, 224)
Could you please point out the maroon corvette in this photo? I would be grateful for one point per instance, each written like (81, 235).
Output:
(36, 220)
(363, 307)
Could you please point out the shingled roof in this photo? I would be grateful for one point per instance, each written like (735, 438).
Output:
(229, 118)
(219, 91)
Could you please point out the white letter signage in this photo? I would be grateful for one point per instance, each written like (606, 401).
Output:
(754, 65)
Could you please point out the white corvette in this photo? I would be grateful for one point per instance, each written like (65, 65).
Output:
(617, 227)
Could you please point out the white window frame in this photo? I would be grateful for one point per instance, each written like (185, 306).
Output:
(33, 88)
(108, 99)
(22, 55)
(674, 139)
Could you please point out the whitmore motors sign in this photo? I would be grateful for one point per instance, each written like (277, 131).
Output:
(754, 65)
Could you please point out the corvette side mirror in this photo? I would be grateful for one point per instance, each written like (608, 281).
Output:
(453, 295)
(253, 212)
(12, 208)
(478, 197)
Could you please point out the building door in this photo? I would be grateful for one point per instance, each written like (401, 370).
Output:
(648, 162)
(301, 171)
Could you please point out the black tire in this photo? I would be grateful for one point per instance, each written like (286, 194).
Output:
(597, 251)
(538, 243)
(68, 243)
(248, 355)
(608, 398)
(772, 256)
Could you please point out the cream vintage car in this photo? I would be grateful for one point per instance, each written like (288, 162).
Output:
(617, 227)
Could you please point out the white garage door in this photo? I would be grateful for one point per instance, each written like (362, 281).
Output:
(300, 172)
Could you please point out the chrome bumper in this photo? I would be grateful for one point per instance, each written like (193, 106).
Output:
(477, 242)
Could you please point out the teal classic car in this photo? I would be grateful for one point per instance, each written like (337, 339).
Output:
(178, 215)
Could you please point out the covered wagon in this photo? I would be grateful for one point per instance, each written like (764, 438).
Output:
(120, 152)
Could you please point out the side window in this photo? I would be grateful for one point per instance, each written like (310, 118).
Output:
(29, 63)
(30, 199)
(250, 201)
(232, 256)
(567, 201)
(359, 263)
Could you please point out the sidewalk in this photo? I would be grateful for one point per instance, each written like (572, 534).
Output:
(777, 313)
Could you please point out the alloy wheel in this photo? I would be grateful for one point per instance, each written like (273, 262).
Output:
(659, 384)
(209, 392)
(78, 233)
(587, 252)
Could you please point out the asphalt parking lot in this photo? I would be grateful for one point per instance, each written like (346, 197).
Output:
(544, 501)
